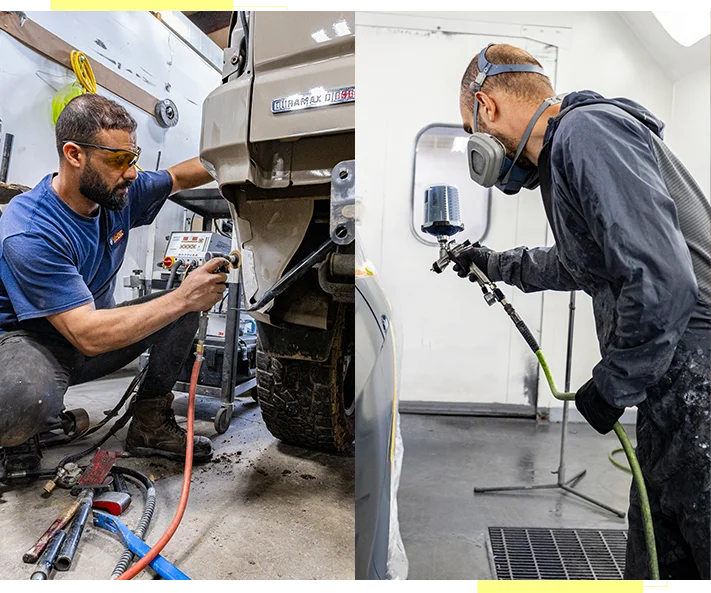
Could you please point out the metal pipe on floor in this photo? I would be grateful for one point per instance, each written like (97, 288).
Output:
(44, 566)
(69, 547)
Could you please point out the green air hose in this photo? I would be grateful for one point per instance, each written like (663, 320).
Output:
(617, 464)
(635, 469)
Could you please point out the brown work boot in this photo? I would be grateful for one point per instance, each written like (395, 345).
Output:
(154, 431)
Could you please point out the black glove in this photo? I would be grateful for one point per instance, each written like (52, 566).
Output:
(475, 254)
(599, 414)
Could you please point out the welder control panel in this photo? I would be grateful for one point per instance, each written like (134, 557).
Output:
(191, 247)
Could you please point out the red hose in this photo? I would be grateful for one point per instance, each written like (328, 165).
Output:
(187, 474)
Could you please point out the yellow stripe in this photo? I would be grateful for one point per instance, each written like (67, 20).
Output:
(559, 586)
(142, 5)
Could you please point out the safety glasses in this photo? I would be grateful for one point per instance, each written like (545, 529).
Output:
(120, 159)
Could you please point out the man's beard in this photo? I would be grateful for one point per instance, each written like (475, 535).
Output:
(93, 187)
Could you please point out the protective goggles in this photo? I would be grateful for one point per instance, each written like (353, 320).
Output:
(121, 159)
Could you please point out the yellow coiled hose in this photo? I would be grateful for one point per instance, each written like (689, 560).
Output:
(83, 71)
(85, 83)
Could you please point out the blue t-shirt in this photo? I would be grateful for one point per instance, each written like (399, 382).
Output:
(53, 259)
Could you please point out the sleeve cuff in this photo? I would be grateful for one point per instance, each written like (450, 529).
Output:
(615, 399)
(492, 267)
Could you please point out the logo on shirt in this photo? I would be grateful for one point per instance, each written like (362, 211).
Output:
(117, 237)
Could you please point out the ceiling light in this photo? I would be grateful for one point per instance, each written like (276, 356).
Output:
(685, 26)
(320, 36)
(341, 28)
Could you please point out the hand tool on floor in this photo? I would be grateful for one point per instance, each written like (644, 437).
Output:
(94, 478)
(69, 476)
(71, 542)
(95, 474)
(162, 566)
(112, 502)
(33, 554)
(117, 501)
(65, 476)
(44, 566)
(442, 221)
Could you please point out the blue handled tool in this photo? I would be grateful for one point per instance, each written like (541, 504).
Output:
(138, 546)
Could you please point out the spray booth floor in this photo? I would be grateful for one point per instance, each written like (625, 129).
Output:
(259, 510)
(444, 525)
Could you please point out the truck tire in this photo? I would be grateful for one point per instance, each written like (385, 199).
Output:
(310, 404)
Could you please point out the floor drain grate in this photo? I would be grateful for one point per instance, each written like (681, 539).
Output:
(537, 553)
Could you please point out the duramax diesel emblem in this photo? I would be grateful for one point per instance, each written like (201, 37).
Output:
(318, 97)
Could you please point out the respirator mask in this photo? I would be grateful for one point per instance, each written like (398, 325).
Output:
(488, 164)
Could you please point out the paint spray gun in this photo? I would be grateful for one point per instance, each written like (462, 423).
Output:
(442, 220)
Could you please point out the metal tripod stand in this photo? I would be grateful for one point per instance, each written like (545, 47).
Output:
(562, 484)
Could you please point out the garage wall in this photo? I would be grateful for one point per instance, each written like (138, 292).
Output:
(596, 51)
(137, 46)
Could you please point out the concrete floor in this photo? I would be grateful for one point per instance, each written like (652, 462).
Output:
(444, 525)
(260, 510)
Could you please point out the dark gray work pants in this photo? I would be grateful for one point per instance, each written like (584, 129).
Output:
(36, 368)
(673, 434)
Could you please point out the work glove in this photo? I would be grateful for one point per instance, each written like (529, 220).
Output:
(599, 414)
(476, 254)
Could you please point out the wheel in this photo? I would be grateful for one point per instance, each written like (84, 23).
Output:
(310, 404)
(223, 418)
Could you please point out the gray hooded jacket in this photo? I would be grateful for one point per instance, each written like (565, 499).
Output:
(632, 230)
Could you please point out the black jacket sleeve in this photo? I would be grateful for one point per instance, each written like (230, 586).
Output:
(531, 270)
(607, 164)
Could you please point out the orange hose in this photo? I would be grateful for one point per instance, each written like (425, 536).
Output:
(187, 474)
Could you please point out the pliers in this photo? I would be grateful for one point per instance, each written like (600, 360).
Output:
(164, 568)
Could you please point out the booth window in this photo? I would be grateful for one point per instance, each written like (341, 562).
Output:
(441, 159)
